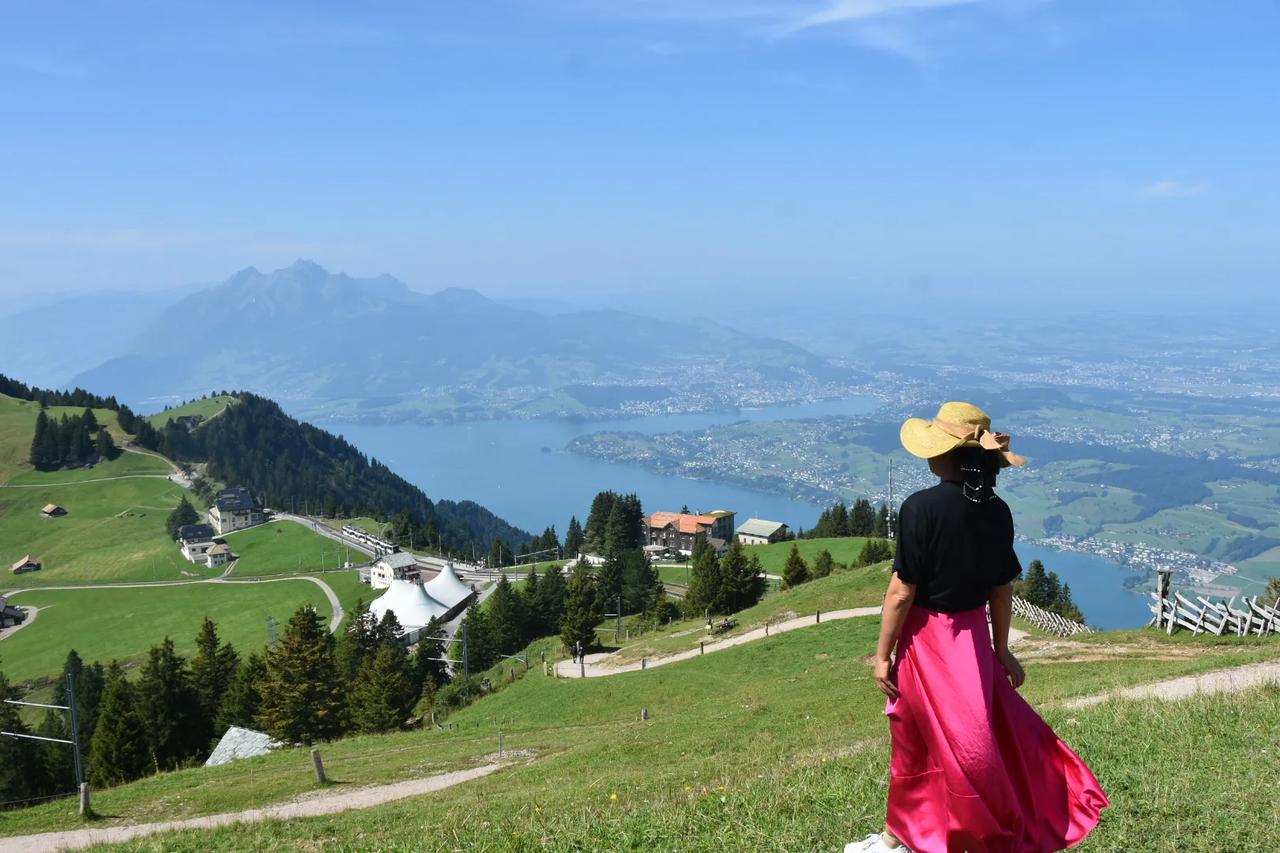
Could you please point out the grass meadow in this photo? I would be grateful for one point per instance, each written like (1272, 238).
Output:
(123, 622)
(777, 745)
(206, 408)
(285, 547)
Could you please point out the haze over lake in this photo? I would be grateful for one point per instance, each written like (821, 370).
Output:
(520, 470)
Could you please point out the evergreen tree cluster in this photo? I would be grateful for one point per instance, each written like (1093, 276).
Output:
(725, 585)
(295, 465)
(1044, 589)
(183, 514)
(70, 442)
(613, 524)
(862, 519)
(78, 397)
(512, 618)
(547, 540)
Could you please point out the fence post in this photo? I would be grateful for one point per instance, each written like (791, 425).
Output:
(702, 648)
(315, 758)
(817, 617)
(644, 714)
(643, 662)
(85, 808)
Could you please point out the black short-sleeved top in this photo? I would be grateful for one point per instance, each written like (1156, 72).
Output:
(954, 550)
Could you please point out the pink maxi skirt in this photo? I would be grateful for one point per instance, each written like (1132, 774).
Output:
(974, 768)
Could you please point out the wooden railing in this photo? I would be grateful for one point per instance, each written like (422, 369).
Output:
(1047, 621)
(1204, 616)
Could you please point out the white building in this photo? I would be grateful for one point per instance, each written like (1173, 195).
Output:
(235, 509)
(415, 604)
(758, 531)
(392, 567)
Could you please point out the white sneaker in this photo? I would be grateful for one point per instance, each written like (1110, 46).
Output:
(873, 843)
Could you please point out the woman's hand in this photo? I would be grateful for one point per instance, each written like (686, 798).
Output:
(884, 680)
(1012, 668)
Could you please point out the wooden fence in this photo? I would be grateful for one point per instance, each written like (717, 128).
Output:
(1203, 616)
(1046, 621)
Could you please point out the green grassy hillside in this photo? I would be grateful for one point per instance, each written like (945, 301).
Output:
(207, 408)
(102, 624)
(283, 547)
(776, 745)
(773, 557)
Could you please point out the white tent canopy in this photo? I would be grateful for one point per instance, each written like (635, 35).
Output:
(447, 588)
(410, 601)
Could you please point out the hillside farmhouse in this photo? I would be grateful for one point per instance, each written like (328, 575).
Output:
(399, 566)
(10, 615)
(675, 531)
(52, 511)
(758, 531)
(26, 564)
(199, 545)
(235, 509)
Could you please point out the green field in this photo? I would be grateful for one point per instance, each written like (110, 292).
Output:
(285, 547)
(777, 745)
(18, 427)
(774, 557)
(209, 408)
(123, 622)
(113, 531)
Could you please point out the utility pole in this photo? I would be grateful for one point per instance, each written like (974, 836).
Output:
(466, 653)
(889, 517)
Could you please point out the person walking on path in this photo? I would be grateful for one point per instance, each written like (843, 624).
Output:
(973, 769)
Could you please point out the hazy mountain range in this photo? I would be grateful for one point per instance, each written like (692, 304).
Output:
(327, 343)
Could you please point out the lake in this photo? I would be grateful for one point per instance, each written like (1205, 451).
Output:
(520, 470)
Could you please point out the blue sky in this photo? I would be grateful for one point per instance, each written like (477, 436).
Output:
(590, 146)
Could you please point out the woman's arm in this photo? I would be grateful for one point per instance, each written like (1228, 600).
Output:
(897, 602)
(1001, 600)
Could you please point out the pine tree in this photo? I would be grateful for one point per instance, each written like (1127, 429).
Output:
(42, 459)
(430, 671)
(839, 520)
(549, 602)
(597, 519)
(582, 611)
(880, 529)
(823, 564)
(302, 697)
(796, 570)
(382, 695)
(213, 670)
(106, 446)
(508, 627)
(169, 708)
(118, 753)
(609, 580)
(862, 518)
(82, 446)
(642, 586)
(183, 514)
(617, 536)
(243, 699)
(573, 538)
(480, 649)
(57, 768)
(20, 764)
(90, 681)
(533, 626)
(90, 420)
(358, 640)
(742, 583)
(706, 592)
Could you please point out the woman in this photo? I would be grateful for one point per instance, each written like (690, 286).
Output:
(973, 767)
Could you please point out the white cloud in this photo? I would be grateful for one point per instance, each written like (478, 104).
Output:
(855, 11)
(1174, 189)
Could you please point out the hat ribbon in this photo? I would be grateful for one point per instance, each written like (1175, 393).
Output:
(989, 440)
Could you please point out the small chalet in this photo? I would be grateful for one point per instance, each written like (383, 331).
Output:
(195, 541)
(52, 511)
(235, 509)
(758, 531)
(675, 531)
(10, 615)
(218, 555)
(26, 564)
(398, 567)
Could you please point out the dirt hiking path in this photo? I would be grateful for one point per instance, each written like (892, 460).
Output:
(1230, 680)
(329, 803)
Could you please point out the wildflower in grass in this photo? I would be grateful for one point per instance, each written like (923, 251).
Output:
(613, 796)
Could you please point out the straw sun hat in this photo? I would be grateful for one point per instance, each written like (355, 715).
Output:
(956, 425)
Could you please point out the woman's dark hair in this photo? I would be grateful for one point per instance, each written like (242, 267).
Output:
(978, 470)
